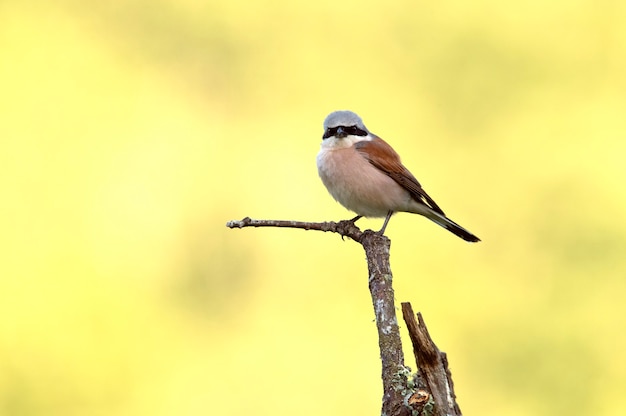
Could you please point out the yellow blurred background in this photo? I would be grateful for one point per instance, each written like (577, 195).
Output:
(132, 131)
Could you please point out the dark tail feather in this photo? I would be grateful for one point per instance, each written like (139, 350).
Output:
(453, 227)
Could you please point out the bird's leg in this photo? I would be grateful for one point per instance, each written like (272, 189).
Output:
(355, 219)
(382, 230)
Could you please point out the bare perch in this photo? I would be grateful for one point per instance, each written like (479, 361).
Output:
(430, 391)
(394, 372)
(344, 228)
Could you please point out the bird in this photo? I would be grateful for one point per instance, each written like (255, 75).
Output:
(365, 175)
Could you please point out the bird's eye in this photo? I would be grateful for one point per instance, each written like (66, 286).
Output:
(329, 132)
(355, 131)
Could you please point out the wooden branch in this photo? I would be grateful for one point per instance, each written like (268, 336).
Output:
(343, 228)
(394, 372)
(430, 391)
(432, 365)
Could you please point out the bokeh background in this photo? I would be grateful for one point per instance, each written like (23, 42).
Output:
(132, 131)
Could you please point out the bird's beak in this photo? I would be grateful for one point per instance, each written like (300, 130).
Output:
(341, 133)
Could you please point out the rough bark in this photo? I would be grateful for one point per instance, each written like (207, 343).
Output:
(433, 374)
(429, 391)
(394, 372)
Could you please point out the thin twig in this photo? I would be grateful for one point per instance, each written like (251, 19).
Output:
(344, 228)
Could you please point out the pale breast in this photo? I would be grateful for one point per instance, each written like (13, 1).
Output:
(359, 186)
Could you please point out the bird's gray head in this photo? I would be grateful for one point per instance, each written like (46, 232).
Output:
(344, 123)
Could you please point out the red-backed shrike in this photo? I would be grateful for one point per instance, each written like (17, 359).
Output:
(365, 175)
